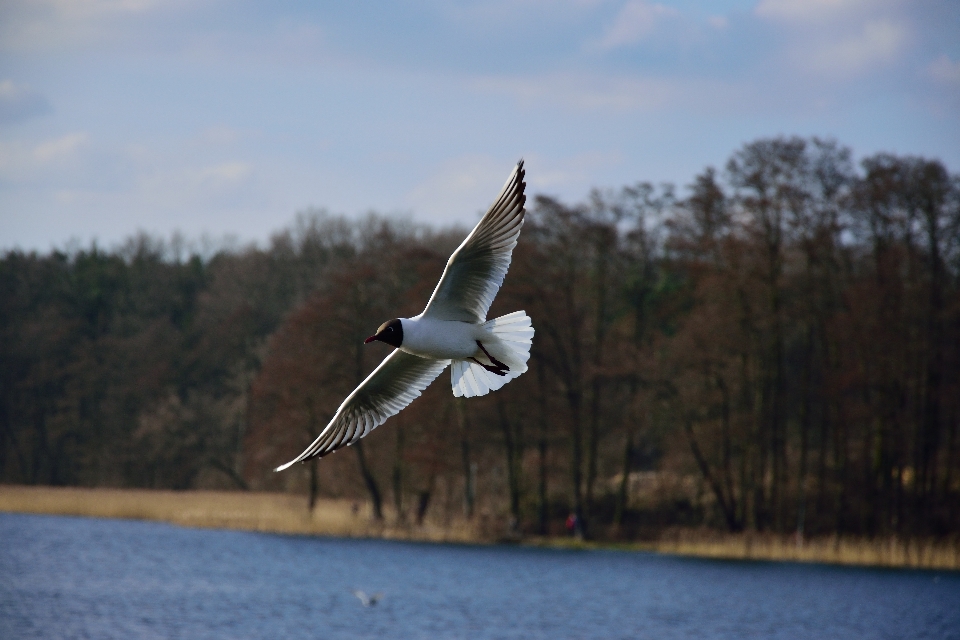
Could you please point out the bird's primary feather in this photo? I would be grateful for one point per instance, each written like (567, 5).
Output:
(476, 270)
(393, 385)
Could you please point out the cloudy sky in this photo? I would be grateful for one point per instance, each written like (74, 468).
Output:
(227, 117)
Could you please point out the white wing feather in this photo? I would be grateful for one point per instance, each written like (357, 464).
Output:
(393, 385)
(475, 271)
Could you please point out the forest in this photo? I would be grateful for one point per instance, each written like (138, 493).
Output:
(774, 347)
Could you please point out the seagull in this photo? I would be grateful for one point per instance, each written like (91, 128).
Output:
(367, 601)
(453, 330)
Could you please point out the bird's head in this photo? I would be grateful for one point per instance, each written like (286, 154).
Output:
(390, 332)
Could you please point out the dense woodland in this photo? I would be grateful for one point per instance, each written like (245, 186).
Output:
(774, 347)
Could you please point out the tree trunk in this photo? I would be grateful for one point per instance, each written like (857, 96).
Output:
(622, 490)
(593, 439)
(728, 510)
(423, 499)
(602, 247)
(727, 448)
(314, 483)
(469, 491)
(397, 475)
(542, 507)
(514, 454)
(927, 480)
(805, 411)
(372, 487)
(576, 439)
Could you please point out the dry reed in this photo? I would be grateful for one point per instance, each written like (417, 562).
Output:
(878, 552)
(267, 512)
(286, 513)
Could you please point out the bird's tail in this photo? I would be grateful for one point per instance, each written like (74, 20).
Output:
(510, 339)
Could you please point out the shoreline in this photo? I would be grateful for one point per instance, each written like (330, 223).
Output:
(287, 514)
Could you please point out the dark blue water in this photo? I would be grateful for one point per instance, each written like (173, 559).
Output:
(87, 578)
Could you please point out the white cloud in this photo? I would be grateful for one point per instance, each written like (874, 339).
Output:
(20, 161)
(583, 92)
(625, 94)
(226, 174)
(74, 8)
(19, 102)
(219, 135)
(462, 188)
(945, 70)
(636, 20)
(459, 191)
(250, 110)
(60, 148)
(577, 173)
(718, 22)
(11, 160)
(284, 44)
(45, 25)
(808, 10)
(839, 39)
(46, 162)
(491, 13)
(167, 185)
(877, 42)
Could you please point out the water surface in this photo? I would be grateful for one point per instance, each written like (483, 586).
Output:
(66, 577)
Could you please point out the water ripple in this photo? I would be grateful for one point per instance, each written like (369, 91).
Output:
(86, 578)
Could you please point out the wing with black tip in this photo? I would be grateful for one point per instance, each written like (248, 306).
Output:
(476, 270)
(393, 385)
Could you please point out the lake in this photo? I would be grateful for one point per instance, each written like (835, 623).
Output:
(64, 577)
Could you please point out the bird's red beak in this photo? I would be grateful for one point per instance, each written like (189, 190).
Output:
(370, 339)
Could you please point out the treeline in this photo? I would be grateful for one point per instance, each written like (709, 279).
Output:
(776, 348)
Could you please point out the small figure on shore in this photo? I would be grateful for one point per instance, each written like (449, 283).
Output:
(571, 524)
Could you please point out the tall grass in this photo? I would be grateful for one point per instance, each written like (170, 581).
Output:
(286, 513)
(888, 551)
(273, 512)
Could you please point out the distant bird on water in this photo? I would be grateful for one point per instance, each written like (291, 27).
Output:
(365, 600)
(452, 330)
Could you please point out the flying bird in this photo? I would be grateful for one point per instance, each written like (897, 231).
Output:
(365, 600)
(452, 330)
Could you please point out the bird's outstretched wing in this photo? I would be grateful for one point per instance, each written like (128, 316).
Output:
(392, 386)
(367, 601)
(475, 271)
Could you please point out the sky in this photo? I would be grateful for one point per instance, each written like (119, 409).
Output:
(224, 119)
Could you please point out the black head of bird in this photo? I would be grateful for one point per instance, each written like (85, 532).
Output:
(390, 332)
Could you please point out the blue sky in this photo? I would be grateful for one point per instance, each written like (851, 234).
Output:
(226, 118)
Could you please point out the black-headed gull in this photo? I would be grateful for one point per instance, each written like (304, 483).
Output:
(452, 330)
(367, 601)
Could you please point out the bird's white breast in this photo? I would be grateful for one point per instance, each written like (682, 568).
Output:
(440, 339)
